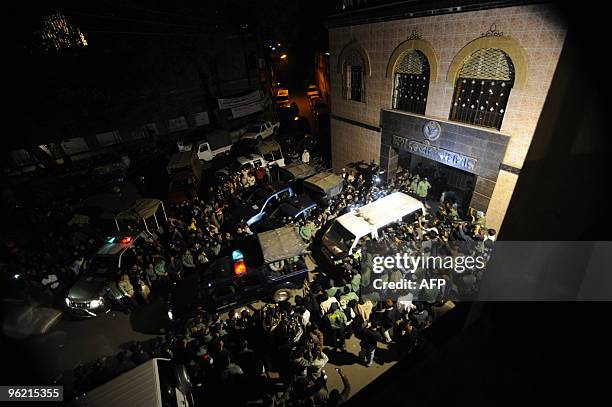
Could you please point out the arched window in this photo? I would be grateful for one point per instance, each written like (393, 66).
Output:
(411, 83)
(482, 88)
(353, 76)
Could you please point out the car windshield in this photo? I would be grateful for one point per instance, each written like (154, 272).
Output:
(179, 184)
(340, 236)
(103, 266)
(258, 197)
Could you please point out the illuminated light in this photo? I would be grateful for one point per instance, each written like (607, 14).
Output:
(278, 45)
(273, 48)
(95, 304)
(237, 255)
(239, 267)
(126, 240)
(327, 53)
(284, 56)
(296, 118)
(111, 240)
(170, 315)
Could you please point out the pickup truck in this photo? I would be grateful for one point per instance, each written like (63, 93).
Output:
(261, 130)
(267, 266)
(216, 143)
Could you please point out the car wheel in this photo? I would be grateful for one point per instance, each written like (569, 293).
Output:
(281, 295)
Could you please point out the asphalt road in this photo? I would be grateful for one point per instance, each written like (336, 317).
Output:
(70, 342)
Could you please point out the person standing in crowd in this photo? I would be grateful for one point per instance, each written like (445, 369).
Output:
(423, 189)
(127, 289)
(337, 322)
(369, 341)
(306, 157)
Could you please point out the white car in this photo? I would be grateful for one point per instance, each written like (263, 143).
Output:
(261, 130)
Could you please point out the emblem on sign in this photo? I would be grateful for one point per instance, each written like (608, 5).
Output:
(432, 130)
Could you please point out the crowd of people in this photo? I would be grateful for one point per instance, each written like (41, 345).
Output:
(42, 268)
(276, 354)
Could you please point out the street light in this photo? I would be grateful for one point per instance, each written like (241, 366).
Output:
(284, 56)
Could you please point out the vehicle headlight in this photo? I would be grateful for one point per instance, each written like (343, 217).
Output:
(95, 303)
(170, 315)
(67, 301)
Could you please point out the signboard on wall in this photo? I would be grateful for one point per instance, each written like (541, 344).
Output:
(246, 110)
(74, 145)
(109, 138)
(231, 103)
(425, 149)
(178, 123)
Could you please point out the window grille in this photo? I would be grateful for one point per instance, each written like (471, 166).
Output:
(482, 88)
(411, 83)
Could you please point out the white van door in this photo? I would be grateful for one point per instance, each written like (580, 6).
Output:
(204, 152)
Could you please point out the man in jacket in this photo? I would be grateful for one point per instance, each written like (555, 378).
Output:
(337, 322)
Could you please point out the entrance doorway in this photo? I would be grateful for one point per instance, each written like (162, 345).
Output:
(442, 178)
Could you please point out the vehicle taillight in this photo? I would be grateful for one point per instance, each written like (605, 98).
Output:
(239, 267)
(126, 240)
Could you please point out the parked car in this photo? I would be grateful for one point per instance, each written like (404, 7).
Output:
(294, 209)
(247, 160)
(312, 90)
(314, 101)
(261, 130)
(282, 92)
(269, 265)
(262, 202)
(272, 153)
(312, 96)
(281, 101)
(185, 170)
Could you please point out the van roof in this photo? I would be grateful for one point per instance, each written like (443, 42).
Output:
(380, 213)
(354, 224)
(392, 207)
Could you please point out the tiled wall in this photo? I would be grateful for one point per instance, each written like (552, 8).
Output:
(539, 30)
(352, 143)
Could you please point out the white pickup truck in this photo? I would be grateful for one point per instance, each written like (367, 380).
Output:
(261, 130)
(216, 143)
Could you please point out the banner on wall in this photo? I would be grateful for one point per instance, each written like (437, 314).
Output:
(232, 103)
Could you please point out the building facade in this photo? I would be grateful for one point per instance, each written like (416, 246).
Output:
(459, 90)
